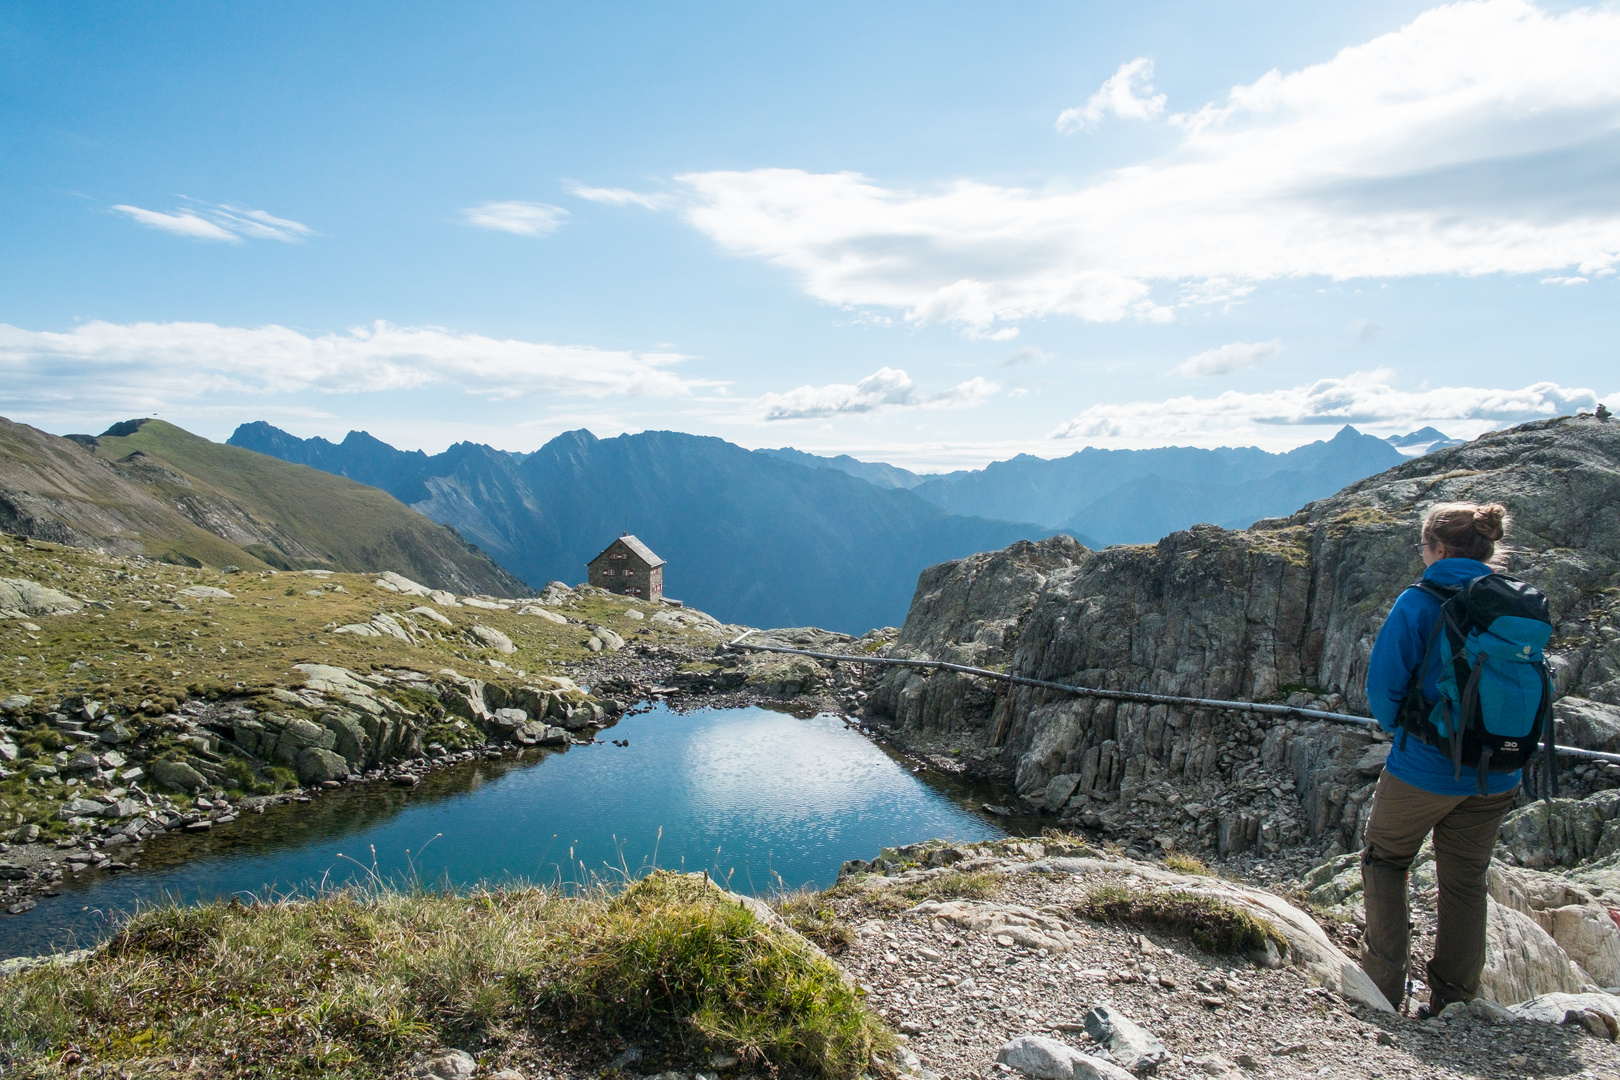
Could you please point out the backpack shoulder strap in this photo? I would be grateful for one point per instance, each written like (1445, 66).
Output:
(1441, 593)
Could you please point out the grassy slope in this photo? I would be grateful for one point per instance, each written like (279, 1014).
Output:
(346, 525)
(90, 497)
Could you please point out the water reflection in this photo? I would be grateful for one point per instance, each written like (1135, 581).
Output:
(757, 798)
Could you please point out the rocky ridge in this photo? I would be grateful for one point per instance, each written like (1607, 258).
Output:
(1284, 611)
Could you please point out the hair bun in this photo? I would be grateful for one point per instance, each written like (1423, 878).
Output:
(1488, 521)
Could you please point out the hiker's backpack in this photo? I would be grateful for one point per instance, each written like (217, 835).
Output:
(1495, 696)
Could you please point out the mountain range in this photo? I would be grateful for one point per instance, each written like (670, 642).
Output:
(1139, 496)
(149, 488)
(749, 537)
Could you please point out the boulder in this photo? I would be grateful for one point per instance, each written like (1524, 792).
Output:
(494, 639)
(443, 598)
(81, 808)
(1049, 1059)
(400, 583)
(177, 776)
(1573, 1008)
(448, 1065)
(556, 593)
(83, 761)
(1058, 790)
(204, 592)
(390, 626)
(15, 703)
(610, 640)
(432, 613)
(20, 598)
(115, 735)
(8, 749)
(1133, 1046)
(539, 612)
(510, 719)
(315, 765)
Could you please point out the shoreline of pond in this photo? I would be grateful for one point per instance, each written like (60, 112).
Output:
(241, 827)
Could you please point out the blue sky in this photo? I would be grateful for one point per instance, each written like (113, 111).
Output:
(934, 234)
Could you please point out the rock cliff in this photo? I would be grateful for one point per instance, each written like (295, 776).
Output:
(1285, 610)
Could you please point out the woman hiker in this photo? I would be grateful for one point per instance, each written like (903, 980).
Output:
(1419, 790)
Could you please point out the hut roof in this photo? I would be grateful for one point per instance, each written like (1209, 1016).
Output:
(642, 551)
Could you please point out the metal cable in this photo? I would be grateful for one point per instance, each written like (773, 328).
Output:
(1364, 722)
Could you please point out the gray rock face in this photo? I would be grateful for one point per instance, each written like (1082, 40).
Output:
(1564, 832)
(1590, 725)
(1285, 610)
(1048, 1059)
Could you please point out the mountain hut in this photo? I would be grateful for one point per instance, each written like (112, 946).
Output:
(628, 567)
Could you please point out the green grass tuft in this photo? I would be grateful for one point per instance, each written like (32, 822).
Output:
(809, 913)
(1183, 863)
(1214, 925)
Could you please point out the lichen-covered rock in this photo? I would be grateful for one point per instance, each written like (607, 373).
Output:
(1564, 832)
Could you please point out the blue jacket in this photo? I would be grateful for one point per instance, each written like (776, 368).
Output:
(1398, 650)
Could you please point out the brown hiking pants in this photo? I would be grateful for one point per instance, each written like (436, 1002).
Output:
(1465, 829)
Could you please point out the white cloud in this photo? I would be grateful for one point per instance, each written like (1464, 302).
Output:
(1227, 359)
(619, 197)
(1365, 398)
(1027, 355)
(521, 218)
(146, 366)
(884, 390)
(1448, 146)
(205, 221)
(1128, 93)
(1563, 281)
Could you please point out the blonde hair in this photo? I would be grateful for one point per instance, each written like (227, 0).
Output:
(1466, 530)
